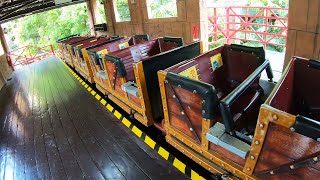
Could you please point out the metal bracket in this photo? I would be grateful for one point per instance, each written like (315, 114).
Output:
(217, 135)
(102, 74)
(130, 88)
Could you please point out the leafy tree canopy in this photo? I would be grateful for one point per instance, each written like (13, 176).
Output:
(45, 28)
(162, 8)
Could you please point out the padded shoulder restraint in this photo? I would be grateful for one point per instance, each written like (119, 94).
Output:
(206, 91)
(177, 40)
(142, 36)
(307, 127)
(67, 37)
(314, 64)
(121, 70)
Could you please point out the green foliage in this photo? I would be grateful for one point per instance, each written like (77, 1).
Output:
(162, 8)
(45, 28)
(211, 39)
(123, 12)
(269, 3)
(101, 16)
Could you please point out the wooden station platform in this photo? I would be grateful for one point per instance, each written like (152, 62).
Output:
(52, 128)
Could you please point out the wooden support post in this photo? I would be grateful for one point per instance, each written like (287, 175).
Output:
(91, 16)
(203, 23)
(5, 46)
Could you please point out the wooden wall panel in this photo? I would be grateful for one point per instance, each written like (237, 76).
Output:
(304, 28)
(305, 44)
(313, 16)
(299, 13)
(189, 13)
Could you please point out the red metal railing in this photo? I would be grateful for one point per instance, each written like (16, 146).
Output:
(29, 54)
(263, 25)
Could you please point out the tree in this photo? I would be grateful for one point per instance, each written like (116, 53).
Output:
(162, 8)
(45, 28)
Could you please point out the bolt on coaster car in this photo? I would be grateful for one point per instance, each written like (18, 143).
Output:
(211, 102)
(93, 55)
(131, 75)
(79, 52)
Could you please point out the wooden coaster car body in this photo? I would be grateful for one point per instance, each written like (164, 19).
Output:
(132, 75)
(66, 50)
(286, 141)
(80, 55)
(208, 100)
(96, 53)
(69, 47)
(61, 51)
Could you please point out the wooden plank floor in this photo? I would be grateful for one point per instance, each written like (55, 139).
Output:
(52, 128)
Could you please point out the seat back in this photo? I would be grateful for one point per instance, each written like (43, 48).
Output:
(225, 68)
(124, 59)
(160, 62)
(81, 43)
(241, 61)
(111, 47)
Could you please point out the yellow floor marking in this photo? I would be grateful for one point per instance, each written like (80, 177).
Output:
(117, 114)
(93, 92)
(150, 142)
(89, 89)
(104, 102)
(126, 122)
(137, 131)
(195, 176)
(109, 107)
(164, 153)
(179, 165)
(98, 96)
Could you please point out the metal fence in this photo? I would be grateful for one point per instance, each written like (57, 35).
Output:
(265, 26)
(29, 54)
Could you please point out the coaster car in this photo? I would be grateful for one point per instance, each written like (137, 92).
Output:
(209, 103)
(286, 140)
(60, 46)
(71, 43)
(131, 75)
(66, 50)
(79, 51)
(96, 53)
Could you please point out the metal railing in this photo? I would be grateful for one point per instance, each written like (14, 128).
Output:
(260, 25)
(29, 54)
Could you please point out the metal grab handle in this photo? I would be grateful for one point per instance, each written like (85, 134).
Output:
(226, 103)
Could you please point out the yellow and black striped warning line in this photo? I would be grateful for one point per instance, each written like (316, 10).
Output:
(161, 151)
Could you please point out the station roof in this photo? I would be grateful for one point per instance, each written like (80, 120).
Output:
(12, 9)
